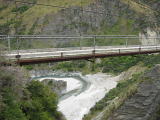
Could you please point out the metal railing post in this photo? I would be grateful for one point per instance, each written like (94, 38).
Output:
(139, 49)
(141, 40)
(94, 42)
(80, 43)
(17, 45)
(127, 42)
(9, 44)
(18, 56)
(61, 54)
(156, 41)
(119, 50)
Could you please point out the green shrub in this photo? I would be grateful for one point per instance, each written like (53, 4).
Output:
(34, 101)
(12, 110)
(21, 9)
(29, 67)
(43, 103)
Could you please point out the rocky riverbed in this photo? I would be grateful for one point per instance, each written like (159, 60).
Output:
(82, 92)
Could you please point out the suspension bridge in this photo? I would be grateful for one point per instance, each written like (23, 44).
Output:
(97, 46)
(34, 49)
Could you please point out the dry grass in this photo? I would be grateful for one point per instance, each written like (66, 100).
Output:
(139, 8)
(30, 16)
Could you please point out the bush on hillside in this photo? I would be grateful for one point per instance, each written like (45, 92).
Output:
(21, 9)
(43, 101)
(24, 100)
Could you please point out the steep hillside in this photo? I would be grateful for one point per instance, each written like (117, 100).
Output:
(73, 17)
(21, 99)
(28, 14)
(127, 88)
(145, 102)
(98, 16)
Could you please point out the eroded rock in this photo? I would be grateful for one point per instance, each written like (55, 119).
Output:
(58, 87)
(144, 103)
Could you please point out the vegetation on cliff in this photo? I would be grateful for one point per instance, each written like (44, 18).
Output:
(144, 103)
(114, 98)
(21, 99)
(30, 13)
(34, 18)
(125, 88)
(114, 65)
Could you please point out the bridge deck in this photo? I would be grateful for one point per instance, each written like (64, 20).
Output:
(64, 54)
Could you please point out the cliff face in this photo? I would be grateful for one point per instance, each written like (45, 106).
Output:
(101, 17)
(144, 104)
(125, 14)
(107, 17)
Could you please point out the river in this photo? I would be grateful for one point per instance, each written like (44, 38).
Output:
(82, 92)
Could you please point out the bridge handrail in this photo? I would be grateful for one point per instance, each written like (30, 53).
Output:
(75, 37)
(91, 50)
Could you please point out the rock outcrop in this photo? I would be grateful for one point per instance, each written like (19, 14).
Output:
(109, 12)
(144, 104)
(96, 15)
(129, 18)
(59, 87)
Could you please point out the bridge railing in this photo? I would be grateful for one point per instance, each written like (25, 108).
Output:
(59, 42)
(89, 52)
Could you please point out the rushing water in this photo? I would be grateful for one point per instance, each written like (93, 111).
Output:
(82, 92)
